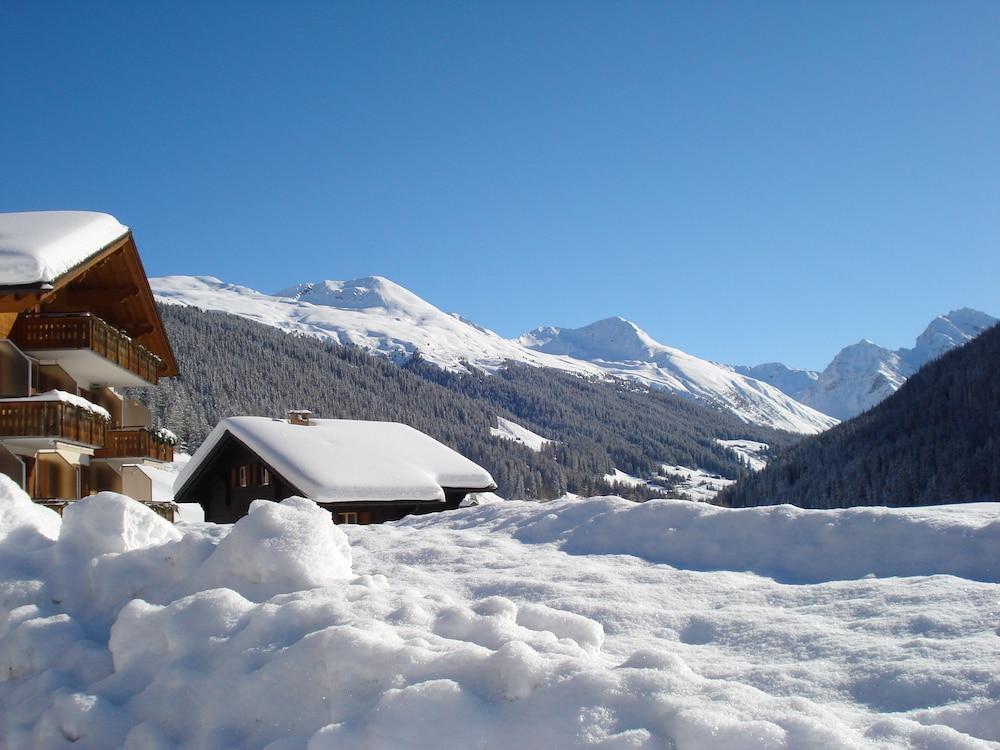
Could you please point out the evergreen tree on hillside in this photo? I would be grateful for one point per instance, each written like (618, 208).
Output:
(936, 440)
(230, 366)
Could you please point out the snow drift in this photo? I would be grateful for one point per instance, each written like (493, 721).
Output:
(118, 629)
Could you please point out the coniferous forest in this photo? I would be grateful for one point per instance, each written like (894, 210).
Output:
(936, 440)
(230, 366)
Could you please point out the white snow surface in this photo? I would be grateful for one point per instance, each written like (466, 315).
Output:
(749, 450)
(581, 623)
(40, 246)
(67, 398)
(373, 313)
(344, 460)
(696, 484)
(507, 430)
(622, 349)
(383, 317)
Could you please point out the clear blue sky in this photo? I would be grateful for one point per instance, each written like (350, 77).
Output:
(748, 181)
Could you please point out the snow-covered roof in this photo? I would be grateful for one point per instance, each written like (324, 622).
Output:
(39, 246)
(341, 460)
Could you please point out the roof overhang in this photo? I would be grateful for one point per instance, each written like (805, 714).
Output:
(112, 284)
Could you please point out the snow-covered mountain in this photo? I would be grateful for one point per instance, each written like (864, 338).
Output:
(863, 374)
(373, 313)
(383, 317)
(622, 349)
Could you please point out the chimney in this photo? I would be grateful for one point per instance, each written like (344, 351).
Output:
(299, 416)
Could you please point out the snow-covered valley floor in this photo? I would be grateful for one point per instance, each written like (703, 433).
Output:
(588, 623)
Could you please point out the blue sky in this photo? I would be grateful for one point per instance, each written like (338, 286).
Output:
(748, 181)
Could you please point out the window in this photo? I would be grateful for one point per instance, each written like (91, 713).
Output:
(265, 476)
(347, 517)
(243, 476)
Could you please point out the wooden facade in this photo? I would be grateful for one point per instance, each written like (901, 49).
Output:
(94, 328)
(234, 475)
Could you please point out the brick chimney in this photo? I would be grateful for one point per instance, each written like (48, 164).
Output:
(299, 416)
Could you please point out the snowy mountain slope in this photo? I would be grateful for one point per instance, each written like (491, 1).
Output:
(373, 313)
(381, 316)
(864, 374)
(622, 349)
(507, 430)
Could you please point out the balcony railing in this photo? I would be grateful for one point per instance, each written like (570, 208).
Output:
(29, 418)
(136, 443)
(85, 331)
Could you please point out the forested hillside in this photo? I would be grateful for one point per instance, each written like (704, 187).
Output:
(230, 366)
(936, 440)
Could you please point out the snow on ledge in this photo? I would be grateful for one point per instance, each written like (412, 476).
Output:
(67, 398)
(37, 247)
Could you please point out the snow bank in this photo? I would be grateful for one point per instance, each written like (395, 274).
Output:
(122, 630)
(67, 398)
(783, 542)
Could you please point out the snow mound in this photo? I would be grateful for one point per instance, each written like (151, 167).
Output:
(783, 542)
(259, 635)
(283, 546)
(20, 516)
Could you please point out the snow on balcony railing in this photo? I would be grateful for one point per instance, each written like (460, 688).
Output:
(51, 416)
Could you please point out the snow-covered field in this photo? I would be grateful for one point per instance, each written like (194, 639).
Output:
(751, 451)
(587, 623)
(507, 430)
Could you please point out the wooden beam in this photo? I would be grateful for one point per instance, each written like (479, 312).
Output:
(99, 296)
(19, 302)
(139, 329)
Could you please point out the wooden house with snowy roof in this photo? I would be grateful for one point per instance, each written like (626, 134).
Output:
(77, 322)
(362, 472)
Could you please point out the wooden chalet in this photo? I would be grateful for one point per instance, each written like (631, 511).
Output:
(362, 472)
(77, 322)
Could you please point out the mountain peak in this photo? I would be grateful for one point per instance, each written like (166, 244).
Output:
(368, 292)
(946, 332)
(610, 339)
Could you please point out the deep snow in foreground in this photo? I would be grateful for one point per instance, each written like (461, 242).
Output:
(587, 623)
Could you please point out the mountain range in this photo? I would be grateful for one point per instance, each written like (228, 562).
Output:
(863, 374)
(381, 316)
(935, 440)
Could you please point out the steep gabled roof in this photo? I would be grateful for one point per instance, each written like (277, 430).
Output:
(71, 260)
(37, 247)
(342, 460)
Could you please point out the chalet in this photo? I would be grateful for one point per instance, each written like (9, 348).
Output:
(362, 472)
(77, 323)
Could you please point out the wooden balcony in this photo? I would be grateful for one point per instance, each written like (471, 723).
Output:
(35, 418)
(136, 443)
(60, 336)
